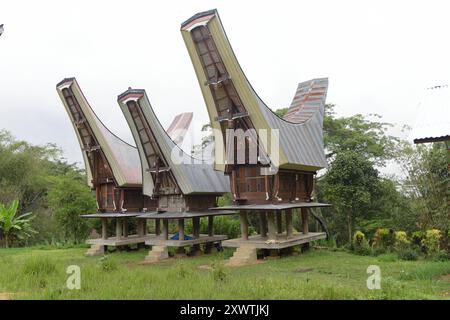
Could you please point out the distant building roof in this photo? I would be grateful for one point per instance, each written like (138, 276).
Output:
(433, 117)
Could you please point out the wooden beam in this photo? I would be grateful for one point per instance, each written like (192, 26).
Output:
(289, 225)
(118, 228)
(140, 227)
(144, 227)
(279, 222)
(104, 228)
(211, 226)
(244, 225)
(165, 229)
(181, 229)
(263, 224)
(196, 227)
(271, 225)
(125, 227)
(157, 227)
(305, 227)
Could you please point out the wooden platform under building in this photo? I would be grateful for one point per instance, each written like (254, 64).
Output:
(280, 242)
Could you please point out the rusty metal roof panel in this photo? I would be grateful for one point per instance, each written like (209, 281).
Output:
(179, 126)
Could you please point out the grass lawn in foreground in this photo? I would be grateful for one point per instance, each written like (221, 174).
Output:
(33, 273)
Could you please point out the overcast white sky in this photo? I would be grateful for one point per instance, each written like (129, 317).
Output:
(378, 55)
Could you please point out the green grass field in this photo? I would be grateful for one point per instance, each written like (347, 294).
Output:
(32, 273)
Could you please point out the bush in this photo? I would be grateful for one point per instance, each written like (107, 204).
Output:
(39, 265)
(417, 237)
(107, 263)
(442, 255)
(360, 244)
(401, 241)
(431, 242)
(384, 238)
(408, 254)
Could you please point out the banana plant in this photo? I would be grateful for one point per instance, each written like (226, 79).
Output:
(12, 225)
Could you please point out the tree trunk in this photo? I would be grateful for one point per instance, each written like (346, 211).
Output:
(6, 241)
(349, 228)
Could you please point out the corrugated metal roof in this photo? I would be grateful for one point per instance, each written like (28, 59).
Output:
(301, 144)
(433, 116)
(193, 176)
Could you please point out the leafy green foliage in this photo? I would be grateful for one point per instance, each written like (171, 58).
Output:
(12, 225)
(70, 198)
(351, 184)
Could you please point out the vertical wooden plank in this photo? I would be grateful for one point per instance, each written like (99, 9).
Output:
(180, 229)
(263, 224)
(305, 227)
(244, 225)
(211, 226)
(104, 228)
(271, 225)
(289, 226)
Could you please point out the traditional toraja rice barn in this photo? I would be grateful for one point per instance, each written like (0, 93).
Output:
(113, 169)
(270, 161)
(185, 188)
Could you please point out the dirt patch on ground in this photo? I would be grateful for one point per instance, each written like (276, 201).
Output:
(303, 270)
(205, 267)
(446, 277)
(5, 296)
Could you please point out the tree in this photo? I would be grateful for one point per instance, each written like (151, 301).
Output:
(69, 197)
(352, 186)
(13, 225)
(425, 168)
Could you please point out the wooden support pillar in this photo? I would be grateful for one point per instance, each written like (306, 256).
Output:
(289, 226)
(211, 226)
(279, 222)
(244, 225)
(271, 225)
(118, 228)
(181, 229)
(104, 228)
(157, 227)
(196, 227)
(144, 227)
(305, 228)
(140, 227)
(263, 224)
(165, 229)
(125, 227)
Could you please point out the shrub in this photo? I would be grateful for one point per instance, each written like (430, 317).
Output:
(401, 241)
(442, 255)
(417, 237)
(360, 244)
(385, 237)
(39, 265)
(107, 263)
(219, 272)
(408, 254)
(431, 242)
